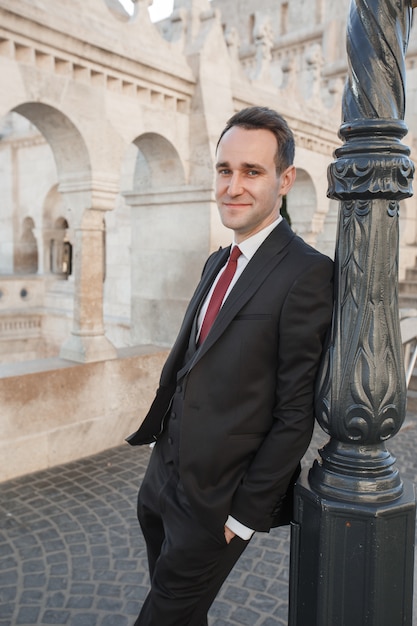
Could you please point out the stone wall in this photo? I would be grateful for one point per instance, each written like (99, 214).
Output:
(54, 411)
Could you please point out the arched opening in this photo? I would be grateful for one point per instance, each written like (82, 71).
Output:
(60, 250)
(57, 236)
(169, 229)
(39, 148)
(26, 249)
(68, 147)
(27, 166)
(301, 207)
(157, 164)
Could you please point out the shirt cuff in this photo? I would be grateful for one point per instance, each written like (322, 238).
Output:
(239, 529)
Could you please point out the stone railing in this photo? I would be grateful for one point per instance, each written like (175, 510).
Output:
(21, 293)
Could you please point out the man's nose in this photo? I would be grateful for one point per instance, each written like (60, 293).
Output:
(235, 185)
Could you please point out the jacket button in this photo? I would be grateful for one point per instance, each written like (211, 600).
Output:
(179, 389)
(173, 415)
(170, 441)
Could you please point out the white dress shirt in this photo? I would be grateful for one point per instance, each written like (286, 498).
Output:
(248, 247)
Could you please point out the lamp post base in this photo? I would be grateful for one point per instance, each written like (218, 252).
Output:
(351, 563)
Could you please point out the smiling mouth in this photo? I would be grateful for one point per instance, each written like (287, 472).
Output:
(236, 205)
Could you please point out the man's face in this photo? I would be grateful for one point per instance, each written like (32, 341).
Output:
(248, 190)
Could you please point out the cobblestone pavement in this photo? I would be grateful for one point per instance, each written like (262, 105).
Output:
(71, 551)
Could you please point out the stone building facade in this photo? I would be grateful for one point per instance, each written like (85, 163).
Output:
(108, 127)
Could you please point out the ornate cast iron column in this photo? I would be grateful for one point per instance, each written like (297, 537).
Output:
(352, 544)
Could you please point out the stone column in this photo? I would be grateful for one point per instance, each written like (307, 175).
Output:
(88, 342)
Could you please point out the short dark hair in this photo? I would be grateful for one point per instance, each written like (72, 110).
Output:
(262, 117)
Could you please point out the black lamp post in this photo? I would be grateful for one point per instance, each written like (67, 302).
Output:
(352, 543)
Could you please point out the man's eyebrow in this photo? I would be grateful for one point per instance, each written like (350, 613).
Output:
(242, 166)
(253, 166)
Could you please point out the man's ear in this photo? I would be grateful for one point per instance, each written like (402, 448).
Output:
(287, 180)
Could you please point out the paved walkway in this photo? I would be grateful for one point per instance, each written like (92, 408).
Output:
(71, 551)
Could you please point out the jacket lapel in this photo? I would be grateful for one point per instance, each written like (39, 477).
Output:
(267, 257)
(176, 357)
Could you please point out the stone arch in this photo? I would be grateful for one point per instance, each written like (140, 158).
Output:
(70, 160)
(86, 197)
(27, 171)
(68, 147)
(302, 206)
(169, 237)
(157, 164)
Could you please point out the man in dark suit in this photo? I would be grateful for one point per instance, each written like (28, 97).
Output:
(233, 414)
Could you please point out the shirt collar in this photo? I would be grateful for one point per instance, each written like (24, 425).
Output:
(249, 246)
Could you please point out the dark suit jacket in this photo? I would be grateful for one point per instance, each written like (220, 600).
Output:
(247, 415)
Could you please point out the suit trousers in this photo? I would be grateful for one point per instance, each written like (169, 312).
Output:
(188, 562)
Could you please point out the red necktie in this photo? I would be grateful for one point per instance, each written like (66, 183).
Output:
(219, 293)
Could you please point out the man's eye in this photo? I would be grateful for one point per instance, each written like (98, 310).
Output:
(224, 172)
(253, 172)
